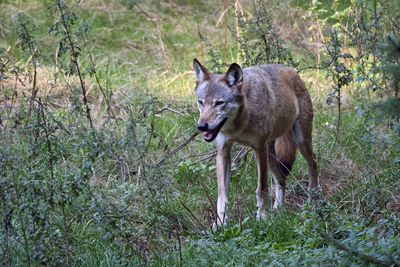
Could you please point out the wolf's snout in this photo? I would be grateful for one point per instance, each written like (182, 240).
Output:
(202, 126)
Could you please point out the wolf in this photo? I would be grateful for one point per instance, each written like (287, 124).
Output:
(267, 108)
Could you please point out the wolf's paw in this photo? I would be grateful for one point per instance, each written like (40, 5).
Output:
(261, 215)
(277, 205)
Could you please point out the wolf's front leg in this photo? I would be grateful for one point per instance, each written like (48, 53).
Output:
(223, 174)
(262, 188)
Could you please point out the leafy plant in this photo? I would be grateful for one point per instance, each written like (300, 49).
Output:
(391, 106)
(260, 42)
(29, 44)
(69, 42)
(336, 69)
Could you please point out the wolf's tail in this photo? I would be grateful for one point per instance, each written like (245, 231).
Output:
(285, 150)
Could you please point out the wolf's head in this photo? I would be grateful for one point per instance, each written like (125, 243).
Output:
(218, 98)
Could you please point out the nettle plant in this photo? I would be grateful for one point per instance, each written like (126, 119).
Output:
(70, 32)
(260, 41)
(29, 45)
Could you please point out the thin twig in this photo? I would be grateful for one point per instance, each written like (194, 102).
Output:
(316, 67)
(180, 247)
(167, 107)
(74, 59)
(12, 101)
(147, 15)
(222, 16)
(240, 155)
(45, 127)
(184, 143)
(209, 156)
(178, 76)
(97, 78)
(43, 107)
(200, 155)
(4, 64)
(174, 138)
(211, 202)
(65, 235)
(191, 213)
(237, 207)
(237, 155)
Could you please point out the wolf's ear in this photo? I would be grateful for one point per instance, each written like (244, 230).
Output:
(234, 74)
(201, 72)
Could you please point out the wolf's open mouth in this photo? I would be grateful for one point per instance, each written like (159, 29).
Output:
(209, 136)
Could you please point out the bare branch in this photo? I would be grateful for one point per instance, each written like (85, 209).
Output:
(184, 143)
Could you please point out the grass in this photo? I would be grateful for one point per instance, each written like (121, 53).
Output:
(85, 197)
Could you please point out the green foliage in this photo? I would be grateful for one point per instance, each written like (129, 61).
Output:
(316, 234)
(51, 176)
(215, 63)
(187, 173)
(56, 174)
(336, 68)
(260, 41)
(329, 12)
(25, 29)
(75, 195)
(391, 106)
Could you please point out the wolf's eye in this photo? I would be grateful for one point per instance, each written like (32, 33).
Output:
(200, 102)
(219, 103)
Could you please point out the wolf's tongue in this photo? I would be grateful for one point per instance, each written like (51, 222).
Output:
(207, 135)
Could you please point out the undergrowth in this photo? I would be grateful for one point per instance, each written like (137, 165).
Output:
(95, 116)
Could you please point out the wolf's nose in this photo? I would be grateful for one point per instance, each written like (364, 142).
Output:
(202, 126)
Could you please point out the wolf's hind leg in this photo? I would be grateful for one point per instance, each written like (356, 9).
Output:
(279, 176)
(302, 133)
